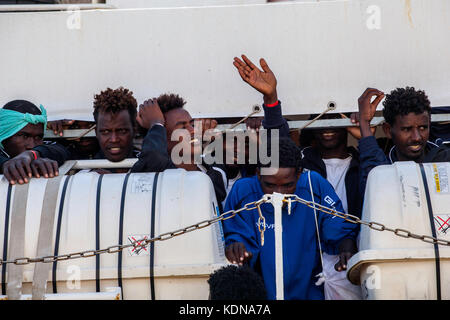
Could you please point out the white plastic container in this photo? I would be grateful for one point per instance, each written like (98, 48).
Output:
(182, 264)
(391, 267)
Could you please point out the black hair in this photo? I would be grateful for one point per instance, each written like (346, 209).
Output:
(236, 283)
(289, 155)
(114, 101)
(23, 106)
(402, 101)
(170, 101)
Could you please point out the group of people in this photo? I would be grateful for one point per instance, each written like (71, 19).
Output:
(323, 168)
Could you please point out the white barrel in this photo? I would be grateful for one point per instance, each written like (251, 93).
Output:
(88, 217)
(391, 267)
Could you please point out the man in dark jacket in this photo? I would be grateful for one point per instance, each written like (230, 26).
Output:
(332, 142)
(114, 113)
(265, 82)
(337, 162)
(407, 113)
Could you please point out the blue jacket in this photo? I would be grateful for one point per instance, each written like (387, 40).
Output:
(301, 258)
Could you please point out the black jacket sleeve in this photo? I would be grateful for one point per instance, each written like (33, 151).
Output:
(273, 119)
(370, 156)
(54, 151)
(3, 159)
(154, 156)
(218, 182)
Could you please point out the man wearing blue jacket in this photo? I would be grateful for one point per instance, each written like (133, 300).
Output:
(301, 257)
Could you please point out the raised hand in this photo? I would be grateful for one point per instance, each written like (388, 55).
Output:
(355, 131)
(149, 114)
(206, 124)
(367, 109)
(254, 123)
(264, 81)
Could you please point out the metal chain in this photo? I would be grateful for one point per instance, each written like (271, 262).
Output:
(138, 243)
(372, 225)
(225, 216)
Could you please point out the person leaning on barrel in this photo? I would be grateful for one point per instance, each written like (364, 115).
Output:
(115, 112)
(21, 133)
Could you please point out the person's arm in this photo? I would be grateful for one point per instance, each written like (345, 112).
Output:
(26, 165)
(217, 178)
(3, 159)
(370, 154)
(241, 244)
(154, 156)
(367, 109)
(264, 81)
(355, 131)
(273, 119)
(54, 151)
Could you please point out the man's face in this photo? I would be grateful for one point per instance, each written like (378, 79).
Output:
(180, 119)
(409, 133)
(283, 181)
(115, 135)
(330, 138)
(26, 139)
(85, 145)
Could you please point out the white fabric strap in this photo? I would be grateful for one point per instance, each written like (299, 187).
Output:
(321, 275)
(277, 202)
(17, 241)
(44, 245)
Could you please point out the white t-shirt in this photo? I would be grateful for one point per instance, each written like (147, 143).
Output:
(336, 171)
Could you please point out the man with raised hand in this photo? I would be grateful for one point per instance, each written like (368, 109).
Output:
(163, 116)
(407, 114)
(264, 81)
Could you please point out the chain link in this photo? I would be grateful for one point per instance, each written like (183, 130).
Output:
(372, 225)
(138, 243)
(225, 216)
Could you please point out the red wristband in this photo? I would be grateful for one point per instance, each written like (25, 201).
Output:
(273, 104)
(34, 154)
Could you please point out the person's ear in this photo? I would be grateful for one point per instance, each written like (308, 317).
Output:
(387, 130)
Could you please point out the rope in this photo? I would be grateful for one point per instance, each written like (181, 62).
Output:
(320, 275)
